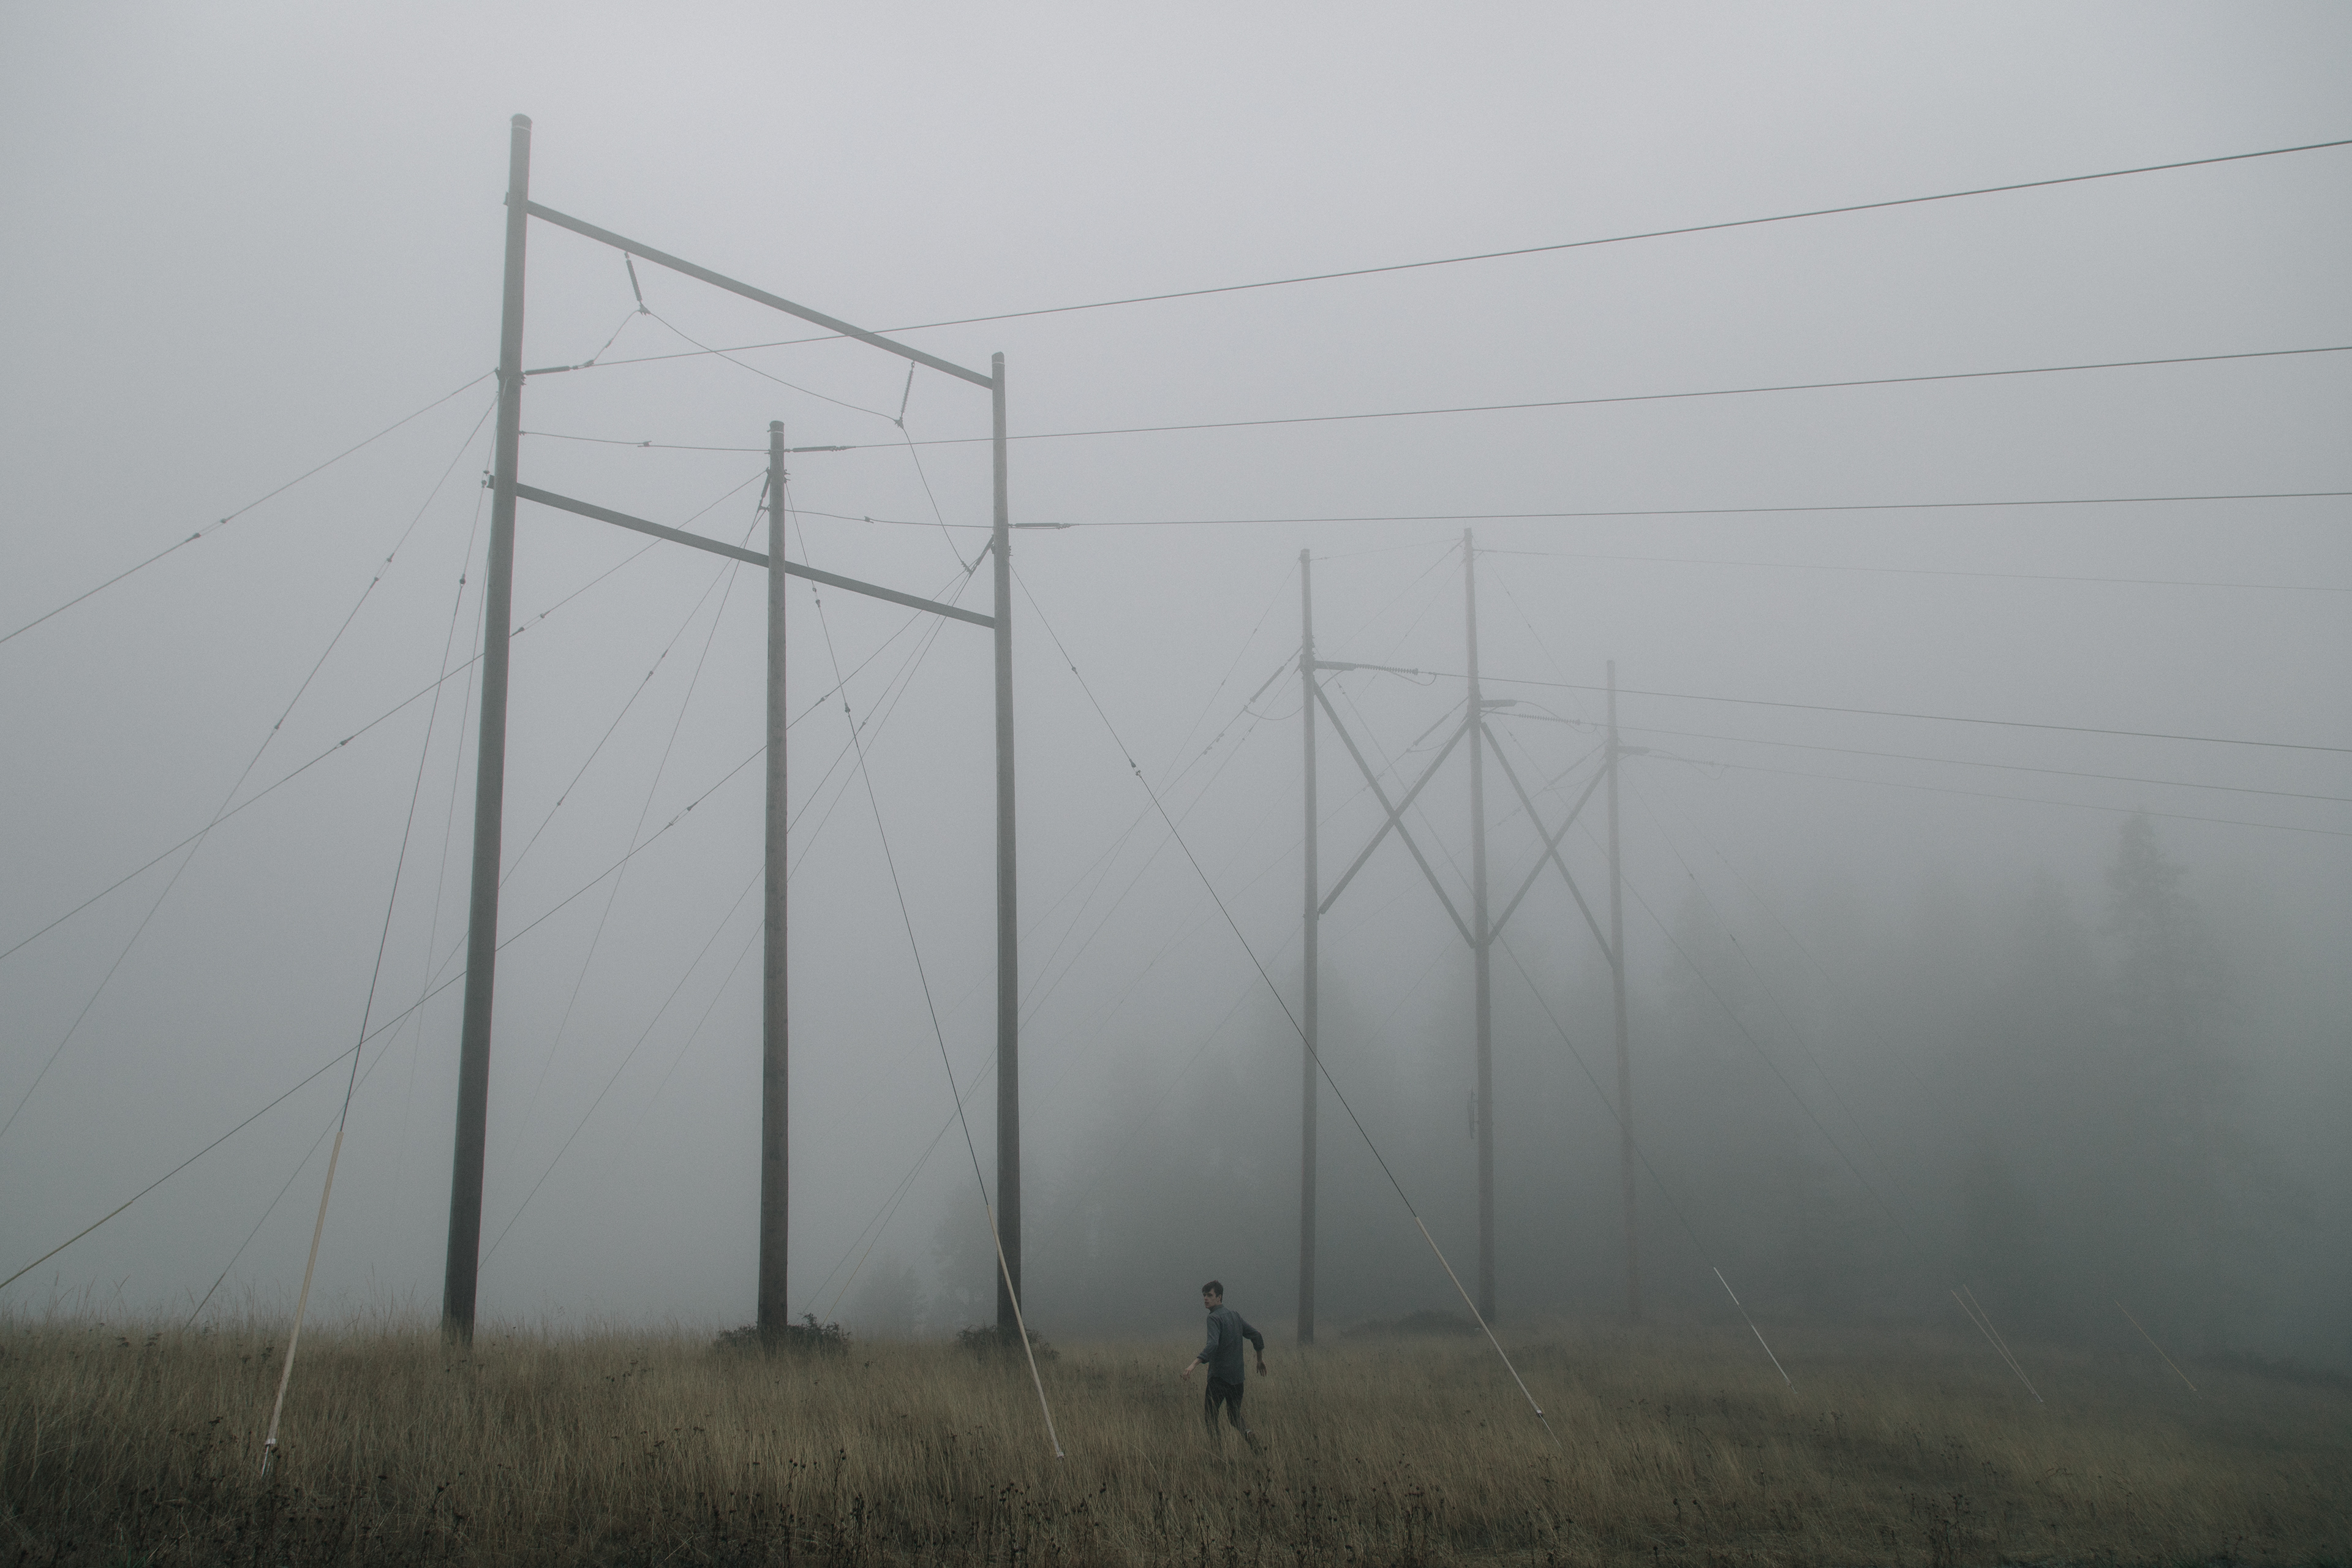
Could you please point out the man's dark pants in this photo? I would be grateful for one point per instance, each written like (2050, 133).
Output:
(1228, 1394)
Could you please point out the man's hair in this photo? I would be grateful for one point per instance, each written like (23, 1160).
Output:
(1212, 1288)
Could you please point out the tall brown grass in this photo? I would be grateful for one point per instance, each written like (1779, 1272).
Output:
(120, 1445)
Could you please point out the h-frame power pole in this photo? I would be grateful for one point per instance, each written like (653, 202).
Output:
(1480, 932)
(462, 1274)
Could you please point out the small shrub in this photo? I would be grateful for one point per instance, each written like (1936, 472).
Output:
(808, 1337)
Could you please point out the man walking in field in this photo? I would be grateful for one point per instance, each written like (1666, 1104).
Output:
(1223, 1356)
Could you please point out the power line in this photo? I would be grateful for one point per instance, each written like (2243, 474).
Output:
(755, 370)
(629, 1057)
(724, 580)
(1927, 571)
(1568, 245)
(385, 717)
(724, 574)
(394, 1021)
(1628, 397)
(221, 811)
(218, 523)
(1967, 763)
(1898, 714)
(1689, 510)
(1487, 407)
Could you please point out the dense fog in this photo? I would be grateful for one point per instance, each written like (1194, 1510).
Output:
(1973, 570)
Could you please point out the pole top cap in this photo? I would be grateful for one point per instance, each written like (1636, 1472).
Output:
(520, 122)
(775, 426)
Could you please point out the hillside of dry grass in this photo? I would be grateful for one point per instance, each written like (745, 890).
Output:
(1666, 1446)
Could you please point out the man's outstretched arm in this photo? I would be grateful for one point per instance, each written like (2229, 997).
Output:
(1216, 1333)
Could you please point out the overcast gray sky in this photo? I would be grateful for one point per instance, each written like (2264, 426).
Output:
(246, 236)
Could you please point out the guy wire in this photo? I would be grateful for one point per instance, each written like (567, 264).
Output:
(906, 918)
(344, 1116)
(1280, 1000)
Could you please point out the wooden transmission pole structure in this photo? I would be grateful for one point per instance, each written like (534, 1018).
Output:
(461, 1277)
(1479, 931)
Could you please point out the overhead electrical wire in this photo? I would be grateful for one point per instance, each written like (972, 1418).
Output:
(388, 714)
(1464, 408)
(1924, 571)
(223, 522)
(793, 386)
(1901, 713)
(449, 812)
(724, 580)
(1961, 762)
(627, 1057)
(1626, 238)
(661, 1083)
(221, 812)
(284, 1187)
(720, 577)
(1622, 399)
(394, 1021)
(1605, 513)
(894, 689)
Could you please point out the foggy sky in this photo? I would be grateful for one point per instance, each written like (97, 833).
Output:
(246, 237)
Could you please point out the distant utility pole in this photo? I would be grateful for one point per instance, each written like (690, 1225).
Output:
(1482, 941)
(462, 1277)
(1008, 904)
(1617, 982)
(775, 1082)
(1310, 1091)
(1480, 932)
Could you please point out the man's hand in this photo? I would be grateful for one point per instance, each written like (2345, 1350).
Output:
(1261, 1368)
(1189, 1366)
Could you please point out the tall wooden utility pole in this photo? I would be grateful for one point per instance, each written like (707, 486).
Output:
(1008, 902)
(1308, 1039)
(462, 1270)
(1481, 938)
(775, 1087)
(1617, 982)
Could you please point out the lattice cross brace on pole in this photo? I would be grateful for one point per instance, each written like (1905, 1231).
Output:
(1395, 815)
(1551, 846)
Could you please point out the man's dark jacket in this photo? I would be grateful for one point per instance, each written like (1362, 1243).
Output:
(1227, 1330)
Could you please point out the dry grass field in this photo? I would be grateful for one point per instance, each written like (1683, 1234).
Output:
(126, 1447)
